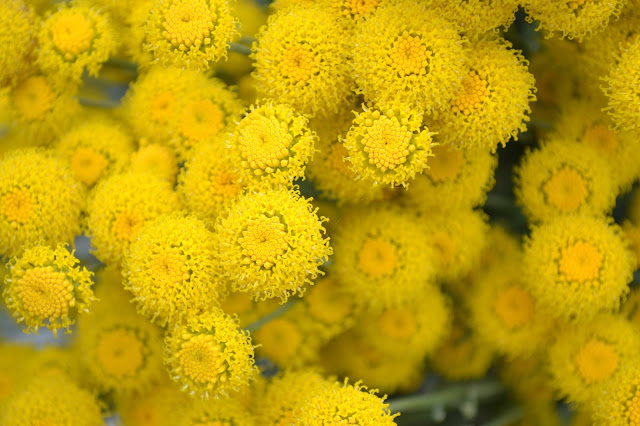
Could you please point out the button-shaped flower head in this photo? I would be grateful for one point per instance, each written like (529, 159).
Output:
(17, 39)
(622, 89)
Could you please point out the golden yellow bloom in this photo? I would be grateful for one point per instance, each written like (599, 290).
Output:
(162, 405)
(170, 269)
(120, 205)
(388, 145)
(330, 307)
(584, 358)
(577, 266)
(209, 356)
(622, 89)
(218, 412)
(47, 288)
(15, 361)
(619, 403)
(189, 33)
(72, 39)
(406, 51)
(301, 60)
(271, 243)
(289, 341)
(40, 201)
(564, 177)
(17, 39)
(273, 143)
(353, 10)
(477, 16)
(155, 159)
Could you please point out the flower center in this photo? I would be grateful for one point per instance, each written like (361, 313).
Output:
(161, 106)
(34, 98)
(72, 33)
(471, 95)
(225, 184)
(387, 142)
(398, 324)
(444, 247)
(445, 165)
(88, 165)
(120, 353)
(596, 361)
(280, 338)
(602, 138)
(45, 293)
(377, 257)
(327, 303)
(336, 156)
(298, 64)
(514, 306)
(633, 409)
(264, 241)
(17, 206)
(126, 224)
(581, 262)
(188, 23)
(201, 120)
(264, 144)
(168, 268)
(566, 189)
(202, 359)
(358, 9)
(409, 56)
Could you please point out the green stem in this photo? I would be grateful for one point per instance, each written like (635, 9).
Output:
(508, 416)
(240, 48)
(123, 64)
(96, 103)
(253, 327)
(246, 39)
(499, 202)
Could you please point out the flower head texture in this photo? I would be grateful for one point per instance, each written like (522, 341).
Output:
(619, 404)
(622, 89)
(17, 39)
(162, 405)
(478, 16)
(40, 200)
(209, 356)
(221, 411)
(156, 159)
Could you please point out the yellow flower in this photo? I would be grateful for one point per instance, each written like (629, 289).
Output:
(17, 39)
(529, 379)
(564, 177)
(289, 341)
(155, 159)
(492, 103)
(47, 288)
(585, 357)
(354, 11)
(271, 243)
(248, 310)
(95, 149)
(406, 51)
(330, 307)
(15, 363)
(218, 412)
(209, 356)
(120, 205)
(301, 60)
(162, 405)
(170, 269)
(388, 145)
(577, 266)
(273, 143)
(478, 16)
(40, 201)
(72, 39)
(619, 403)
(189, 33)
(622, 88)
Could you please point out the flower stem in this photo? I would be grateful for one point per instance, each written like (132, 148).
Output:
(253, 327)
(240, 48)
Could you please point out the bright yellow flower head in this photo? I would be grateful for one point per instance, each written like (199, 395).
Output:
(120, 205)
(301, 59)
(162, 405)
(289, 341)
(47, 288)
(17, 39)
(564, 177)
(40, 201)
(354, 11)
(619, 403)
(271, 243)
(155, 159)
(225, 411)
(577, 266)
(170, 269)
(388, 145)
(273, 143)
(189, 33)
(330, 307)
(622, 89)
(478, 16)
(405, 51)
(209, 356)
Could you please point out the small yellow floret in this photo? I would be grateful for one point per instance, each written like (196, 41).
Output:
(18, 26)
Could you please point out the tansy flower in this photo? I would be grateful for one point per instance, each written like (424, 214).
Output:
(622, 88)
(245, 308)
(577, 266)
(354, 11)
(170, 269)
(51, 400)
(219, 411)
(388, 145)
(96, 149)
(15, 363)
(330, 307)
(585, 357)
(273, 143)
(40, 201)
(162, 405)
(478, 16)
(155, 159)
(301, 60)
(383, 257)
(189, 33)
(271, 243)
(492, 103)
(405, 51)
(564, 177)
(47, 288)
(119, 206)
(619, 403)
(17, 39)
(209, 356)
(134, 33)
(72, 39)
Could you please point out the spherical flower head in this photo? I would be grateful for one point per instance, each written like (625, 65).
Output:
(222, 411)
(330, 307)
(40, 201)
(72, 39)
(388, 145)
(301, 60)
(47, 288)
(584, 358)
(405, 51)
(156, 159)
(162, 405)
(17, 38)
(491, 105)
(354, 11)
(52, 400)
(209, 356)
(577, 266)
(170, 269)
(119, 206)
(619, 403)
(189, 33)
(478, 16)
(564, 177)
(622, 89)
(273, 143)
